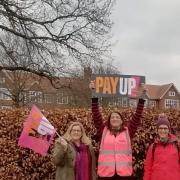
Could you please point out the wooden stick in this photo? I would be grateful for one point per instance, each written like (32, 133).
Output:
(58, 134)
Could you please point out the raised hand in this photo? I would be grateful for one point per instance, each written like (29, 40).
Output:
(92, 85)
(144, 91)
(63, 142)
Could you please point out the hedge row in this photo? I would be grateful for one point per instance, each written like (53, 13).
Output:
(20, 163)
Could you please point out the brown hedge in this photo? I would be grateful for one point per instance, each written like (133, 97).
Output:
(20, 163)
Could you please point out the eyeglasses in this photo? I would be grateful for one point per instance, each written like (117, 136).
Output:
(165, 129)
(76, 130)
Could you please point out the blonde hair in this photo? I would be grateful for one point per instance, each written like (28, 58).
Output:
(84, 138)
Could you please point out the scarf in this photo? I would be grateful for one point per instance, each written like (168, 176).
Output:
(83, 163)
(164, 141)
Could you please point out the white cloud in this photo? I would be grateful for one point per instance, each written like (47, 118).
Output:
(147, 39)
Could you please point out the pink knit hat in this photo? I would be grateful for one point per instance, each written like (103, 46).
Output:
(163, 120)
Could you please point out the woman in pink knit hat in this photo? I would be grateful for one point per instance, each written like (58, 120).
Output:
(163, 156)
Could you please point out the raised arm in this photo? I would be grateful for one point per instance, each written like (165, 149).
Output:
(97, 118)
(136, 118)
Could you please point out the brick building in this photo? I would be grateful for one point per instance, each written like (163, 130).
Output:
(160, 96)
(25, 89)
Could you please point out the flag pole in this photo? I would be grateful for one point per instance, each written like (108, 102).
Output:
(58, 134)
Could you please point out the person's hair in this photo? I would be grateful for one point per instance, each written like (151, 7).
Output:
(108, 124)
(84, 139)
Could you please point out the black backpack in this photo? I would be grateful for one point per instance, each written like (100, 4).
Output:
(174, 142)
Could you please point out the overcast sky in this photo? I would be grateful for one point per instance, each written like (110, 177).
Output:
(146, 38)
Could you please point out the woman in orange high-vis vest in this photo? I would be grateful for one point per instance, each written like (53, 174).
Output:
(115, 153)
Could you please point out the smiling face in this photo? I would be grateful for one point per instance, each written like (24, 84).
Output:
(163, 131)
(76, 133)
(115, 120)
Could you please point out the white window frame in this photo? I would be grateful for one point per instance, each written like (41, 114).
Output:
(172, 93)
(124, 102)
(48, 98)
(152, 104)
(118, 101)
(2, 80)
(111, 103)
(36, 96)
(5, 107)
(5, 94)
(171, 103)
(133, 103)
(62, 99)
(23, 96)
(39, 96)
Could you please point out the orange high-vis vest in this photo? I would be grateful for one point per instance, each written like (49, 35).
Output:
(115, 154)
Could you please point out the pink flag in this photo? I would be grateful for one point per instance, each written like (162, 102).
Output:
(37, 133)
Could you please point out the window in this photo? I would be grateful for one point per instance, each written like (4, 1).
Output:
(39, 96)
(62, 99)
(172, 93)
(5, 94)
(171, 103)
(32, 95)
(23, 97)
(48, 98)
(5, 107)
(113, 101)
(35, 96)
(2, 80)
(132, 103)
(120, 102)
(152, 104)
(124, 102)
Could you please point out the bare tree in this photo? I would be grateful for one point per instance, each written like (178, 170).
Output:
(16, 57)
(82, 78)
(15, 88)
(49, 34)
(105, 68)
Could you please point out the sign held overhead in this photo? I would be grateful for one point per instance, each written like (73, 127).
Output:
(117, 85)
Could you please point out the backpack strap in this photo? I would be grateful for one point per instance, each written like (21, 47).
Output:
(153, 150)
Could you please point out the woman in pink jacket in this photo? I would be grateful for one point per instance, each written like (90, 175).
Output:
(163, 156)
(115, 152)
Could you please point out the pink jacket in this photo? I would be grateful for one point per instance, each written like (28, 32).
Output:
(115, 154)
(165, 164)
